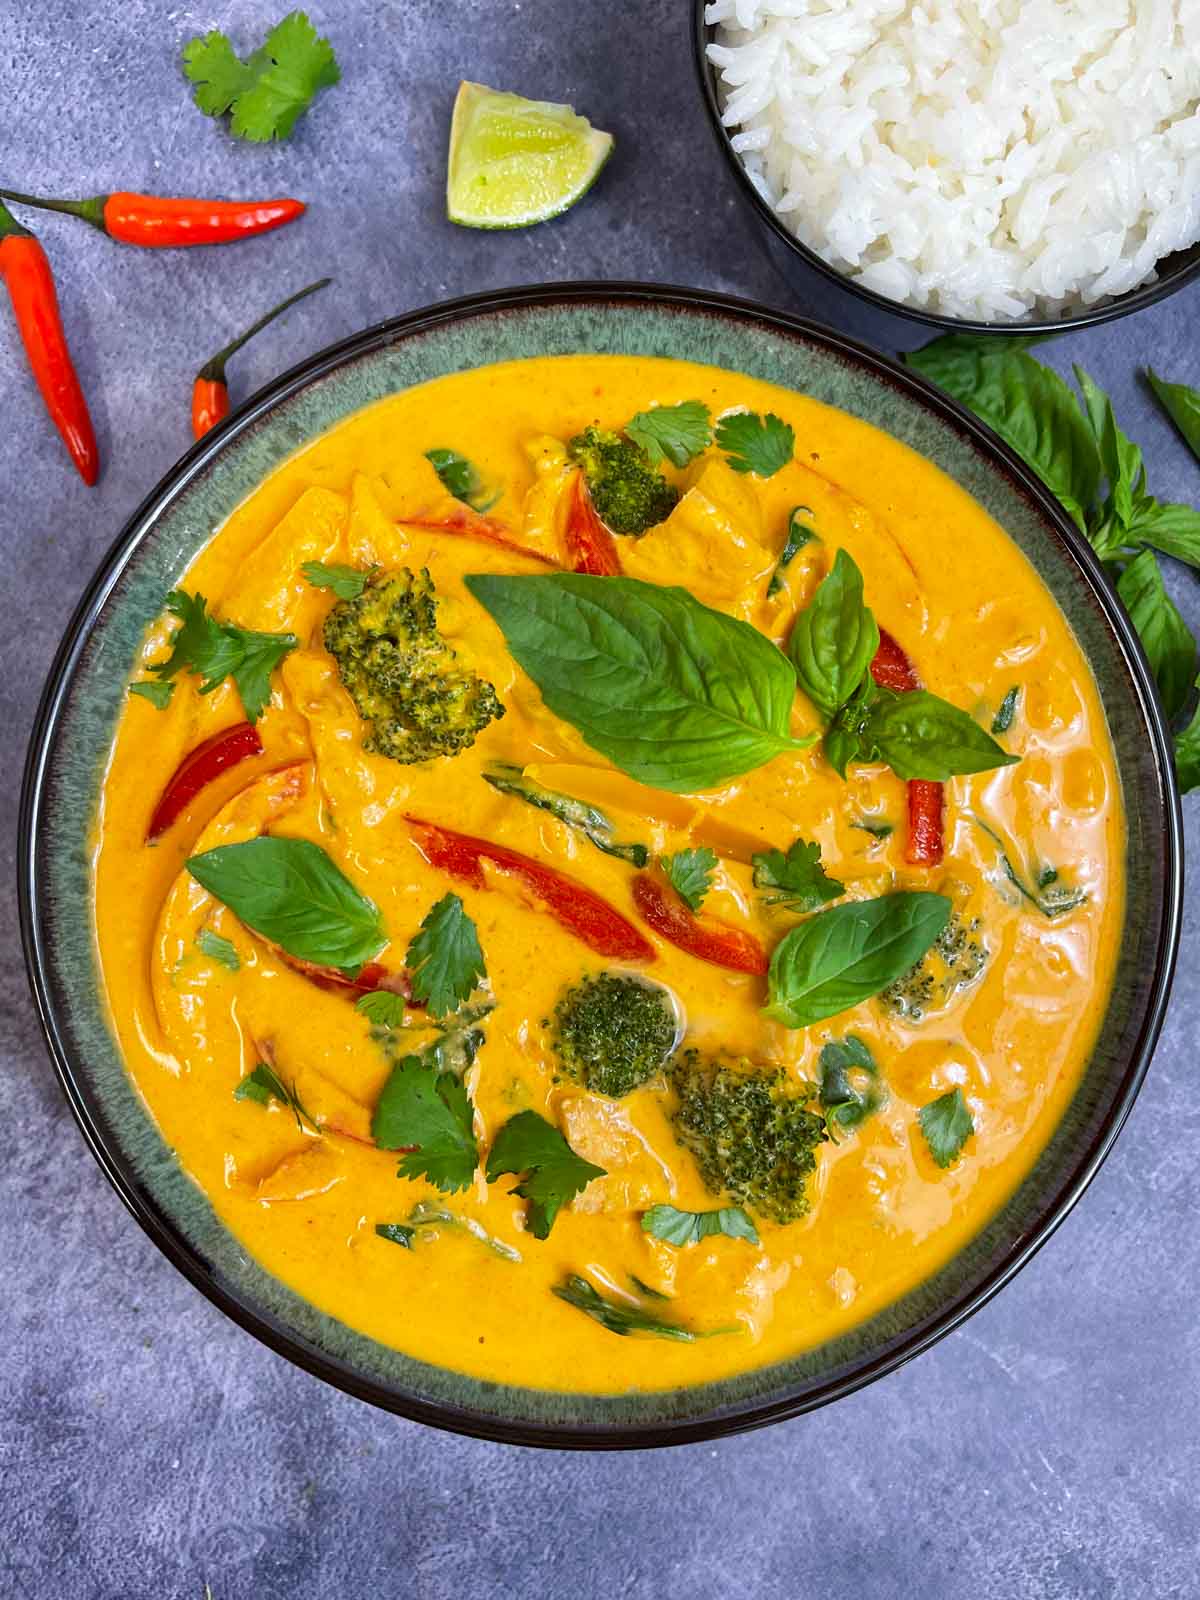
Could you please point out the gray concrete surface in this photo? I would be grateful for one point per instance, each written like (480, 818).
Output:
(147, 1447)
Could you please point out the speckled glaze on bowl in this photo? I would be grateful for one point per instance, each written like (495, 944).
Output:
(83, 698)
(797, 263)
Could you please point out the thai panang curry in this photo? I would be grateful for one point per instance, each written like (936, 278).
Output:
(609, 872)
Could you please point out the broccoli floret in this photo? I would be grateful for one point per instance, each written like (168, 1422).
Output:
(402, 675)
(752, 1133)
(956, 958)
(627, 490)
(613, 1031)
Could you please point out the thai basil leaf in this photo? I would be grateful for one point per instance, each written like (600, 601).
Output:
(1006, 711)
(1166, 637)
(846, 1104)
(798, 535)
(920, 735)
(1175, 530)
(461, 478)
(834, 639)
(1028, 405)
(679, 696)
(843, 956)
(1182, 405)
(290, 892)
(619, 1317)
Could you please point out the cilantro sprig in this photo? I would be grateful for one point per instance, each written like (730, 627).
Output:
(619, 1317)
(678, 433)
(213, 651)
(681, 1228)
(445, 960)
(264, 1085)
(269, 91)
(690, 874)
(347, 583)
(796, 881)
(553, 1173)
(947, 1125)
(751, 443)
(427, 1115)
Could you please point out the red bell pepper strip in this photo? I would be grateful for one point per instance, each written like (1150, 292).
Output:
(707, 939)
(892, 669)
(590, 546)
(579, 909)
(155, 222)
(198, 769)
(472, 525)
(370, 980)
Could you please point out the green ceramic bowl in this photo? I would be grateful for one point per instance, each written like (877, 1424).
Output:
(84, 695)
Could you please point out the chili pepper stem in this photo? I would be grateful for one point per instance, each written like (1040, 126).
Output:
(90, 210)
(213, 371)
(10, 228)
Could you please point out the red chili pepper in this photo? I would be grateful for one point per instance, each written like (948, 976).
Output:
(472, 525)
(590, 546)
(198, 769)
(26, 271)
(155, 223)
(579, 909)
(210, 392)
(707, 940)
(892, 669)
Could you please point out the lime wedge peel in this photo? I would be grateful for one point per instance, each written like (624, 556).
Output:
(514, 162)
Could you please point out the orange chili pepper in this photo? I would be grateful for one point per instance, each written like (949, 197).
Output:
(210, 391)
(156, 223)
(26, 271)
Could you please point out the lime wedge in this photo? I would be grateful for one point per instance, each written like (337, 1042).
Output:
(514, 161)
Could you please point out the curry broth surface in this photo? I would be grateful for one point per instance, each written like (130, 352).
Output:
(975, 618)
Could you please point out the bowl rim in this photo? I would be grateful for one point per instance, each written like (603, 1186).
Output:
(92, 1119)
(703, 33)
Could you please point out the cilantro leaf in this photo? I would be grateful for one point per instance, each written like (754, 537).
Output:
(1166, 637)
(1182, 405)
(847, 1102)
(216, 948)
(462, 479)
(688, 1227)
(554, 1174)
(217, 76)
(264, 1085)
(623, 1319)
(428, 1115)
(270, 91)
(214, 651)
(383, 1008)
(158, 694)
(756, 444)
(947, 1125)
(1187, 753)
(345, 582)
(444, 958)
(677, 432)
(799, 880)
(690, 873)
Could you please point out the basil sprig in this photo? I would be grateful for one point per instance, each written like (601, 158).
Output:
(918, 734)
(293, 894)
(840, 957)
(1075, 446)
(679, 696)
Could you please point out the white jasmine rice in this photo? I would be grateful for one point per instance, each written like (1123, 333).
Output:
(986, 160)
